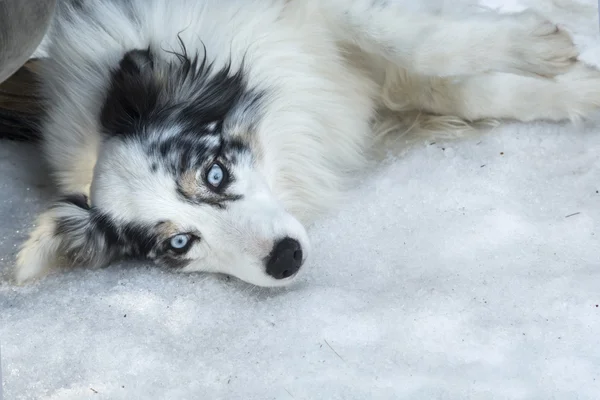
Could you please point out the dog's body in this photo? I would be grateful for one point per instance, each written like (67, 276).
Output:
(204, 134)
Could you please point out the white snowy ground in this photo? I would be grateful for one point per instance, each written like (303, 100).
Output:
(459, 270)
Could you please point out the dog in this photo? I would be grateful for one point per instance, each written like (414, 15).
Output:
(207, 135)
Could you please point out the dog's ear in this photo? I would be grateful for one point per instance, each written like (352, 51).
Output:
(133, 95)
(69, 229)
(136, 62)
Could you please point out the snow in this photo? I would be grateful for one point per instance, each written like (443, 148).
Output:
(458, 270)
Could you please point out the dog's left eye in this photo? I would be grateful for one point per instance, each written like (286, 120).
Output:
(180, 243)
(216, 176)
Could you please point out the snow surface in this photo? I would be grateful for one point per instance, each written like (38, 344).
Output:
(458, 270)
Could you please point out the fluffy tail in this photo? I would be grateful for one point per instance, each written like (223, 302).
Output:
(21, 104)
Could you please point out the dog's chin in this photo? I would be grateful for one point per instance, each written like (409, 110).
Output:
(253, 276)
(268, 282)
(262, 279)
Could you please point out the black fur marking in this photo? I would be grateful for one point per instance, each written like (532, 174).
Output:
(91, 237)
(136, 240)
(147, 92)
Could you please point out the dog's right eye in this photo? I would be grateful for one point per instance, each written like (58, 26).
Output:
(217, 176)
(181, 243)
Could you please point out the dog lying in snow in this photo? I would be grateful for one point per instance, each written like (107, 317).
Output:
(204, 135)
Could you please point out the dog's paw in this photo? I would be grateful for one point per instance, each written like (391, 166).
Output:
(539, 47)
(579, 95)
(38, 254)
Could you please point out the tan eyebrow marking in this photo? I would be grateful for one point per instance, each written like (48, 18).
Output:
(167, 229)
(188, 184)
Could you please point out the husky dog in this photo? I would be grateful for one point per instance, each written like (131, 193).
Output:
(204, 135)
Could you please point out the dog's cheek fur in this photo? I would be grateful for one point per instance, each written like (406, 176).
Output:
(66, 230)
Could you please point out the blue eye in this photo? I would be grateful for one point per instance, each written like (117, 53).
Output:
(216, 175)
(180, 243)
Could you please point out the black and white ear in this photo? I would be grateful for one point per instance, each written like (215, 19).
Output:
(67, 230)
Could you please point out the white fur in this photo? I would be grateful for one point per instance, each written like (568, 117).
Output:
(330, 65)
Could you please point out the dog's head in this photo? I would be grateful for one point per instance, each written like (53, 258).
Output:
(178, 180)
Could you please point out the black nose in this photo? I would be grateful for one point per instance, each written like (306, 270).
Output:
(285, 259)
